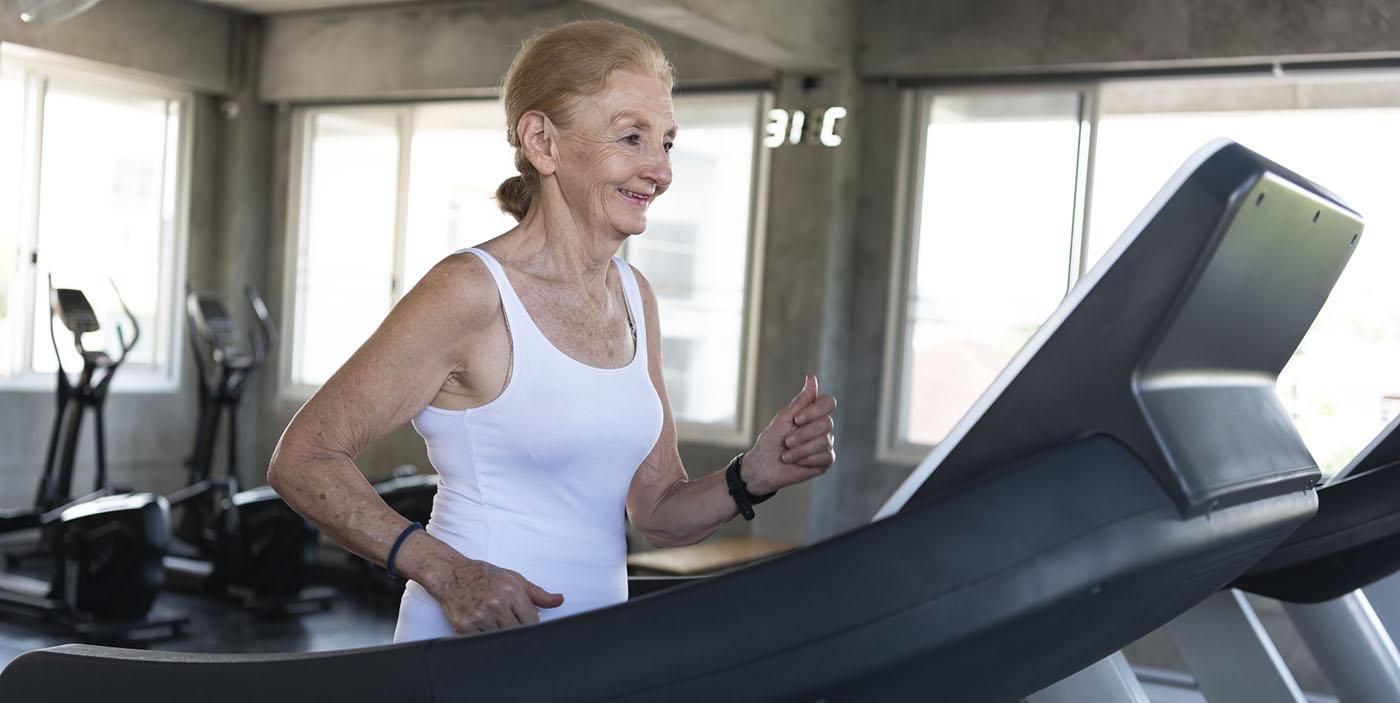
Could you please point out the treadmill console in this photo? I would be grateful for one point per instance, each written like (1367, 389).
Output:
(1172, 343)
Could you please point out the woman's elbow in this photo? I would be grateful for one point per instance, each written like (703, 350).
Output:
(276, 472)
(282, 467)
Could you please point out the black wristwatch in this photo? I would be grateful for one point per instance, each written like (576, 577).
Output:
(740, 490)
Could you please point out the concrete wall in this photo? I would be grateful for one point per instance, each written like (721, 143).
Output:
(179, 40)
(239, 257)
(912, 38)
(440, 50)
(860, 483)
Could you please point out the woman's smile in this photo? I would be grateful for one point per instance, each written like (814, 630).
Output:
(641, 199)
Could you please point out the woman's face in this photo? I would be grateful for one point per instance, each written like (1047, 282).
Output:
(613, 159)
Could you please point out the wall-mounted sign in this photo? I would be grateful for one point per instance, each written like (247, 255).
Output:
(786, 127)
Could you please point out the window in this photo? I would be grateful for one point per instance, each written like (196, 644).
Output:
(92, 192)
(384, 194)
(381, 194)
(990, 251)
(991, 248)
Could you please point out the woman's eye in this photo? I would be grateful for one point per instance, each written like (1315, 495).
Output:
(633, 139)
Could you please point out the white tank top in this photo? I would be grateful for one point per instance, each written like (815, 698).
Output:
(536, 480)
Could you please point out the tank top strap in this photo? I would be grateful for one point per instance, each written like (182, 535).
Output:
(516, 316)
(635, 307)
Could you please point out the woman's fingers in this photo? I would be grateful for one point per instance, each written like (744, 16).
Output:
(800, 401)
(820, 460)
(808, 432)
(539, 597)
(823, 405)
(815, 446)
(502, 600)
(526, 612)
(471, 625)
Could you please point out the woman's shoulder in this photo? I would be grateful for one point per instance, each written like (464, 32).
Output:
(647, 294)
(459, 287)
(643, 285)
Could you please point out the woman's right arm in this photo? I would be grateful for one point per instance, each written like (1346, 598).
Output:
(390, 379)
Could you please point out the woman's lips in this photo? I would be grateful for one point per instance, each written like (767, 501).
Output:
(637, 198)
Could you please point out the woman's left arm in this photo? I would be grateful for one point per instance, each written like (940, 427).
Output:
(670, 510)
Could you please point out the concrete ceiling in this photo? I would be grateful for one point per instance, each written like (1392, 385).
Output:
(792, 35)
(270, 7)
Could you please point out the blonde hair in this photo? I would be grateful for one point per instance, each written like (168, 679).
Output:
(556, 66)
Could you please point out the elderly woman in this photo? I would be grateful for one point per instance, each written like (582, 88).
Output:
(531, 366)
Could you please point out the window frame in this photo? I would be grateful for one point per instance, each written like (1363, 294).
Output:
(299, 172)
(38, 69)
(738, 435)
(890, 445)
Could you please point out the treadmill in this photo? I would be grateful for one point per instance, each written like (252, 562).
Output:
(1319, 570)
(1353, 542)
(1131, 460)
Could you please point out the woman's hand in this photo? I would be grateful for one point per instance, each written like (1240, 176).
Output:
(481, 597)
(796, 446)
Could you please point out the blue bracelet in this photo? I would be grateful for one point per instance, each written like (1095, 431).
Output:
(394, 552)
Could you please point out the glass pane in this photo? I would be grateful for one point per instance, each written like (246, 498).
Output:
(460, 156)
(992, 247)
(103, 214)
(1343, 384)
(12, 106)
(345, 266)
(695, 253)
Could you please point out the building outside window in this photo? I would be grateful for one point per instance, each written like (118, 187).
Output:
(381, 194)
(93, 184)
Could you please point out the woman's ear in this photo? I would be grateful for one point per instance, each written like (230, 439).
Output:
(539, 140)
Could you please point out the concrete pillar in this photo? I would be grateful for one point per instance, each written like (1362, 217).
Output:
(239, 252)
(811, 216)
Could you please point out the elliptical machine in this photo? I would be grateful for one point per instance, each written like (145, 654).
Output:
(247, 543)
(105, 548)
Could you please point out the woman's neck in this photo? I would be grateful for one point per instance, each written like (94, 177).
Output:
(554, 243)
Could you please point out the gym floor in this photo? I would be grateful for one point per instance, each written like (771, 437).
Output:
(217, 625)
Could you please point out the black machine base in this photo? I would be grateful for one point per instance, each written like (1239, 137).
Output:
(29, 597)
(193, 574)
(255, 549)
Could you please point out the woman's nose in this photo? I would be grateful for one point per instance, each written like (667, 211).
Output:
(658, 167)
